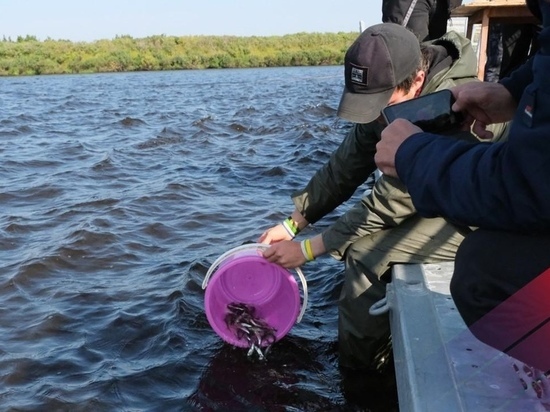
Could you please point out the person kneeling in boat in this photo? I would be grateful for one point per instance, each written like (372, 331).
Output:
(385, 65)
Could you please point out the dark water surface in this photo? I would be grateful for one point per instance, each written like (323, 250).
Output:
(117, 192)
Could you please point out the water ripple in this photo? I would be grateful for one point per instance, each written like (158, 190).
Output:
(118, 193)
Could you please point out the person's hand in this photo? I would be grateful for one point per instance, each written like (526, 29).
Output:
(274, 234)
(287, 254)
(392, 136)
(483, 104)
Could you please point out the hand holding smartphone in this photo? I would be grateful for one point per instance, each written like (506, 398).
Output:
(431, 112)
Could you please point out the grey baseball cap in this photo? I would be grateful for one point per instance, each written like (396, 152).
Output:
(382, 57)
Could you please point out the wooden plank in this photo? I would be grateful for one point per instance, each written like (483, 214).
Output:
(483, 42)
(467, 10)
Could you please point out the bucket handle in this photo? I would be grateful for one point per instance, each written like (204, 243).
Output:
(249, 246)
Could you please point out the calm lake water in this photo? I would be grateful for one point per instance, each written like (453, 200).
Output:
(118, 191)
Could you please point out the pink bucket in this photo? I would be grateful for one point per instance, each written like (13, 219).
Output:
(243, 275)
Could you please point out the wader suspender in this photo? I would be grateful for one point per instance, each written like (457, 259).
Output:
(409, 12)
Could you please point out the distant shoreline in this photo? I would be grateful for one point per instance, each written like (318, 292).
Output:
(28, 56)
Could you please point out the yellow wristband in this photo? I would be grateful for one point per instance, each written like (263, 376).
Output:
(307, 250)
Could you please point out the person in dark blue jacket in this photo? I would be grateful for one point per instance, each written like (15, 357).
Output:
(502, 188)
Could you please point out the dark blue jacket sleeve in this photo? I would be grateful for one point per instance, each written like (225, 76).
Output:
(491, 185)
(470, 184)
(519, 79)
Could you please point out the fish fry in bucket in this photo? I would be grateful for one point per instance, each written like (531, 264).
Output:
(251, 302)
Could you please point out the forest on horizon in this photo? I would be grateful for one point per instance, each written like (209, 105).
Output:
(29, 56)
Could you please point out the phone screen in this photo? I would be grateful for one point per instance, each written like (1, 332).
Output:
(432, 112)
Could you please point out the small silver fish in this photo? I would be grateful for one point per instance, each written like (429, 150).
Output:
(241, 318)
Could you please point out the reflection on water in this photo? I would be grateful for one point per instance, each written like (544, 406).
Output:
(118, 191)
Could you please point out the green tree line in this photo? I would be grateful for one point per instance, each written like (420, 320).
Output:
(29, 56)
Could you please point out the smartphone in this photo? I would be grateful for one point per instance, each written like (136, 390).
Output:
(431, 112)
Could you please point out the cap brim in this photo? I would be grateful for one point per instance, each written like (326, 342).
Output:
(362, 107)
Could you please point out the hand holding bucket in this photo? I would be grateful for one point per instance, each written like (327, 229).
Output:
(242, 276)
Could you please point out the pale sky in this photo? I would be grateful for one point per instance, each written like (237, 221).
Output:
(89, 20)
